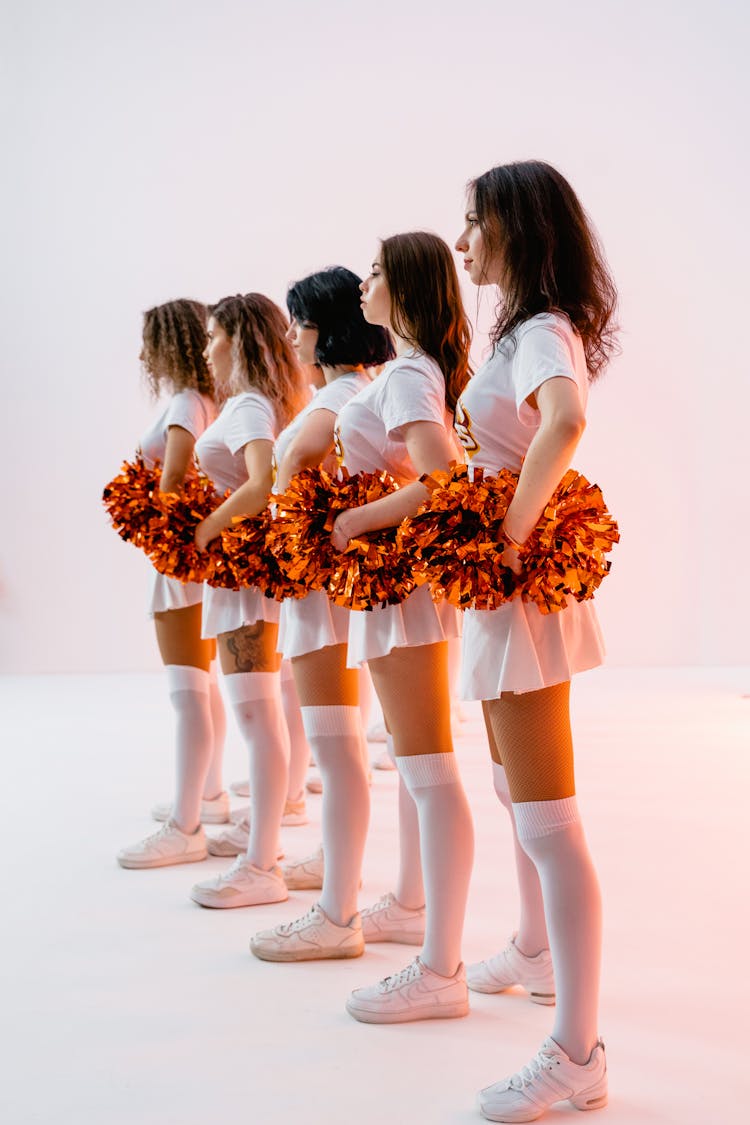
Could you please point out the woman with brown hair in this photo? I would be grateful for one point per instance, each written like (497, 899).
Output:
(174, 336)
(254, 365)
(402, 423)
(524, 410)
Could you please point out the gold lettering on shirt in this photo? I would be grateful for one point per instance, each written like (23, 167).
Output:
(338, 446)
(462, 426)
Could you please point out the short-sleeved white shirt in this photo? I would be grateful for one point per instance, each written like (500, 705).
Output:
(333, 396)
(410, 388)
(494, 422)
(244, 418)
(190, 410)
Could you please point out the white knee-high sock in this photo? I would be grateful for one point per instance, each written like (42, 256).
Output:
(447, 836)
(299, 749)
(365, 707)
(255, 698)
(531, 937)
(189, 692)
(409, 883)
(215, 777)
(334, 734)
(552, 835)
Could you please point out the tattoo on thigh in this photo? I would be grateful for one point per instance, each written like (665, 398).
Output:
(247, 647)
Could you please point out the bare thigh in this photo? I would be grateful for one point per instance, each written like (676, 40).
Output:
(178, 634)
(323, 679)
(412, 685)
(250, 649)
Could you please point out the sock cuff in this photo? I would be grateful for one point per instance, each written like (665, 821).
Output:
(244, 687)
(183, 677)
(321, 721)
(422, 771)
(542, 818)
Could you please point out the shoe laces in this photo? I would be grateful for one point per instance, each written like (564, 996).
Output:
(235, 869)
(405, 976)
(382, 904)
(528, 1075)
(298, 924)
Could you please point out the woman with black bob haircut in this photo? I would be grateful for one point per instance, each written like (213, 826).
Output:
(327, 328)
(527, 233)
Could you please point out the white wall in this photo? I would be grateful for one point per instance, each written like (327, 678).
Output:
(161, 149)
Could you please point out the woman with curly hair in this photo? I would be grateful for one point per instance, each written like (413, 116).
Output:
(174, 337)
(254, 365)
(524, 410)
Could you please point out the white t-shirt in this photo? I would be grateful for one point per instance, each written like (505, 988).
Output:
(410, 388)
(190, 410)
(244, 418)
(333, 396)
(493, 421)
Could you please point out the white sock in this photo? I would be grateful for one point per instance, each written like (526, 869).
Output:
(365, 708)
(255, 698)
(214, 783)
(409, 885)
(299, 750)
(552, 835)
(189, 692)
(334, 734)
(447, 837)
(532, 928)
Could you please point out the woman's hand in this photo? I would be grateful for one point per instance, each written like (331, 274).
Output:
(345, 528)
(206, 531)
(512, 559)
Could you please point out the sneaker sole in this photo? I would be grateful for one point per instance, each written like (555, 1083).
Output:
(546, 998)
(206, 818)
(399, 936)
(586, 1101)
(306, 954)
(163, 861)
(234, 904)
(444, 1012)
(294, 821)
(304, 884)
(225, 850)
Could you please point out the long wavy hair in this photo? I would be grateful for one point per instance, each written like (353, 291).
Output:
(426, 305)
(330, 300)
(262, 357)
(552, 258)
(174, 338)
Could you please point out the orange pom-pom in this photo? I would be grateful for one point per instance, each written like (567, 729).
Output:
(133, 502)
(246, 556)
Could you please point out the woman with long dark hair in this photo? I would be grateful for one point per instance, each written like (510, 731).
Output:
(524, 410)
(174, 336)
(402, 423)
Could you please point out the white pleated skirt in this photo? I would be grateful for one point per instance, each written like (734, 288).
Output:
(227, 610)
(311, 623)
(516, 648)
(169, 593)
(416, 621)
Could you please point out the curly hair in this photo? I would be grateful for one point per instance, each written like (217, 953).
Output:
(174, 338)
(426, 305)
(262, 357)
(330, 300)
(551, 255)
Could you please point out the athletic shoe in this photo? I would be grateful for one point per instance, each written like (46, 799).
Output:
(376, 732)
(314, 783)
(384, 761)
(294, 814)
(313, 937)
(240, 788)
(306, 874)
(416, 993)
(213, 811)
(513, 967)
(550, 1077)
(243, 884)
(168, 846)
(232, 841)
(388, 920)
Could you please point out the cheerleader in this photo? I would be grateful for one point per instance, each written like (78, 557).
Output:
(402, 423)
(252, 362)
(174, 336)
(327, 329)
(527, 233)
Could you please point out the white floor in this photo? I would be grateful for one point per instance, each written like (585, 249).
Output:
(124, 1003)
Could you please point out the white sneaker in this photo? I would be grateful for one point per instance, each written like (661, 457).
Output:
(243, 884)
(416, 993)
(305, 874)
(168, 846)
(314, 783)
(376, 732)
(388, 920)
(313, 937)
(550, 1077)
(213, 811)
(293, 816)
(241, 788)
(232, 841)
(384, 761)
(513, 967)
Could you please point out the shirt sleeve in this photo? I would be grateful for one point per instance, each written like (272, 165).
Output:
(252, 419)
(544, 351)
(188, 411)
(412, 393)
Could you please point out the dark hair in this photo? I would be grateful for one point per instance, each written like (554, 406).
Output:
(174, 338)
(330, 300)
(426, 306)
(552, 258)
(263, 358)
